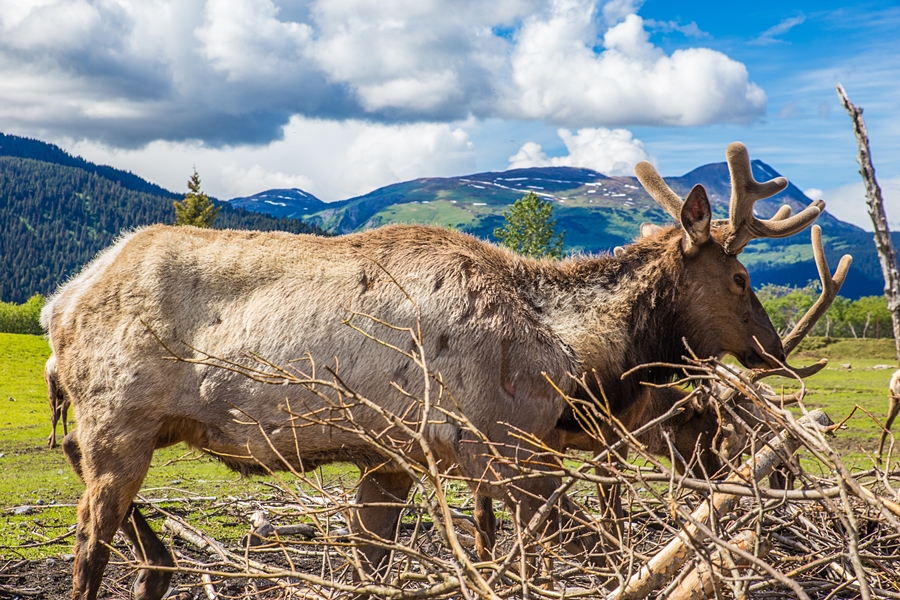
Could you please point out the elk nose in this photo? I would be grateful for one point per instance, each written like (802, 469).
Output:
(777, 352)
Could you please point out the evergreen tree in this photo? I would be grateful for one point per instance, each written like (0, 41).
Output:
(196, 209)
(529, 228)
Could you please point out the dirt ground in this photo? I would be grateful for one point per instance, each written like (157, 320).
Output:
(800, 535)
(51, 579)
(48, 578)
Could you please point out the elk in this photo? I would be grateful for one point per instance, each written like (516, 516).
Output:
(893, 409)
(696, 434)
(59, 402)
(497, 327)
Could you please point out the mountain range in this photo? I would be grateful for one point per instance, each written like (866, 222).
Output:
(596, 211)
(57, 211)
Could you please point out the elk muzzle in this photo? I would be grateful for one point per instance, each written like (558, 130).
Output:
(764, 347)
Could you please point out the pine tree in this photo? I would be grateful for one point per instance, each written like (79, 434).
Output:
(196, 209)
(529, 229)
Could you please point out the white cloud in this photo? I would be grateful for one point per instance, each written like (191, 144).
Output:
(243, 181)
(71, 24)
(333, 160)
(848, 203)
(609, 151)
(245, 40)
(387, 154)
(424, 58)
(770, 35)
(128, 72)
(557, 76)
(615, 11)
(813, 193)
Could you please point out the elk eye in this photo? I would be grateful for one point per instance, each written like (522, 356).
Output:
(740, 281)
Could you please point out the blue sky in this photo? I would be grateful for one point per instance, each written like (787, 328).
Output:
(339, 97)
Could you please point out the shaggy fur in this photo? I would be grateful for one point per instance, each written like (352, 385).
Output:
(494, 325)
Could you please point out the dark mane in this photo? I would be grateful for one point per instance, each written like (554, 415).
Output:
(646, 278)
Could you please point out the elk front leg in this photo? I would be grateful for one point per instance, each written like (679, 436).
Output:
(105, 497)
(102, 511)
(377, 514)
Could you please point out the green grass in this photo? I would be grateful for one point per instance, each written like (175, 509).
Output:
(857, 375)
(39, 477)
(439, 212)
(23, 393)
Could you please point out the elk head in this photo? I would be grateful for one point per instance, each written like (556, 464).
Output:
(721, 311)
(748, 401)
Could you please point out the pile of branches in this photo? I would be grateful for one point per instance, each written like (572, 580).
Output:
(834, 534)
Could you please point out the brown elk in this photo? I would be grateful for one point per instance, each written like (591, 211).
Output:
(893, 409)
(59, 402)
(496, 327)
(696, 435)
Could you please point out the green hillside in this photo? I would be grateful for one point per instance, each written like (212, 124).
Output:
(55, 217)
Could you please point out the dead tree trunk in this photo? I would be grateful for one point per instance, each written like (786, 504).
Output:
(886, 253)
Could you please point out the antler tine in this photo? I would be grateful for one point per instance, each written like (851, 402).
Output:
(745, 191)
(658, 190)
(782, 213)
(830, 287)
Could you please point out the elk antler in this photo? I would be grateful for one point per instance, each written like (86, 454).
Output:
(831, 285)
(742, 225)
(659, 189)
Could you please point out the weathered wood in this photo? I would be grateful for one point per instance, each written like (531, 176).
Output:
(700, 582)
(665, 564)
(887, 256)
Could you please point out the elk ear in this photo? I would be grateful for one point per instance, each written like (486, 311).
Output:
(618, 251)
(648, 229)
(696, 216)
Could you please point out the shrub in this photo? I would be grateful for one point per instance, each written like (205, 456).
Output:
(22, 318)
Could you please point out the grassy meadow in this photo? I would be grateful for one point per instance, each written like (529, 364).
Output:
(38, 490)
(39, 483)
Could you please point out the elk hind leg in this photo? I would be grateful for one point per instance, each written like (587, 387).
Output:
(378, 498)
(55, 400)
(893, 410)
(485, 526)
(64, 417)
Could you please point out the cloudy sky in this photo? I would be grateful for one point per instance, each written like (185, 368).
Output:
(338, 97)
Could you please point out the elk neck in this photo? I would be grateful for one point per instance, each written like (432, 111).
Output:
(615, 313)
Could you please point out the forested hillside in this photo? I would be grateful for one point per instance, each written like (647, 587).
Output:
(19, 147)
(54, 218)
